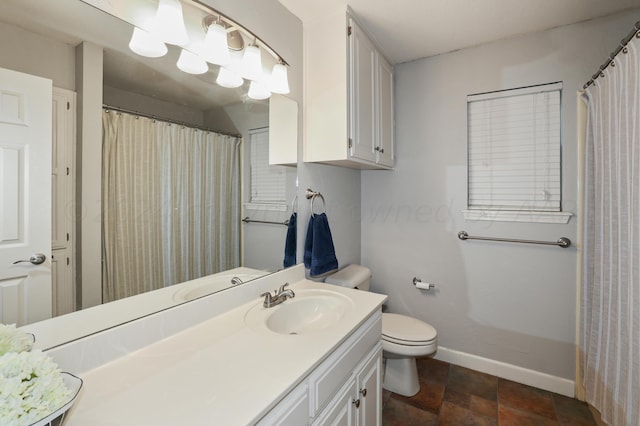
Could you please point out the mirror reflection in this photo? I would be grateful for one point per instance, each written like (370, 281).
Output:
(183, 159)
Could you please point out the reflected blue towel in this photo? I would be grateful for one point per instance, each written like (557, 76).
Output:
(290, 242)
(319, 252)
(308, 244)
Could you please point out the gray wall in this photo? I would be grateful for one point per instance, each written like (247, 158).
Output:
(132, 101)
(46, 57)
(506, 302)
(341, 190)
(262, 244)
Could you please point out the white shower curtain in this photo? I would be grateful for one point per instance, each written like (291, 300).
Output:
(171, 204)
(610, 293)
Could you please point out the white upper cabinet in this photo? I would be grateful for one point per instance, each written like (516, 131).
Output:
(283, 131)
(349, 96)
(384, 115)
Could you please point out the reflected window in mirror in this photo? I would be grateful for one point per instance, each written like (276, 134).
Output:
(268, 182)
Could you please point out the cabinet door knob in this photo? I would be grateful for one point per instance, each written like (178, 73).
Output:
(356, 402)
(363, 392)
(380, 150)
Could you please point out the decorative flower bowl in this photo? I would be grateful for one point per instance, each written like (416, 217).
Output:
(73, 383)
(34, 391)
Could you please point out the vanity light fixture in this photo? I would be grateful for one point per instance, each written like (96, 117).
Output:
(279, 79)
(258, 91)
(216, 48)
(223, 44)
(228, 78)
(252, 63)
(146, 44)
(191, 63)
(168, 24)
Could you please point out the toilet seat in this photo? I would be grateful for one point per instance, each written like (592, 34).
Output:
(407, 336)
(404, 330)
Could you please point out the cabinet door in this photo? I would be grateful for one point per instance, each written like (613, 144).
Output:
(64, 299)
(384, 137)
(362, 110)
(369, 381)
(341, 411)
(61, 167)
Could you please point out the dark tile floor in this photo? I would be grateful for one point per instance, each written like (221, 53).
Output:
(457, 396)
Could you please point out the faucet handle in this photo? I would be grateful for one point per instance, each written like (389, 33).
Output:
(267, 299)
(282, 287)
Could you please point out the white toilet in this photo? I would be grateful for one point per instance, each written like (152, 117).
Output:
(403, 338)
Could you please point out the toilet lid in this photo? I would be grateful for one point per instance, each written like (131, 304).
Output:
(398, 327)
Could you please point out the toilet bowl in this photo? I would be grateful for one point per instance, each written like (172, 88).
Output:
(403, 338)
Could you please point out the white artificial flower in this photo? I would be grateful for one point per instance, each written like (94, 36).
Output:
(13, 340)
(32, 387)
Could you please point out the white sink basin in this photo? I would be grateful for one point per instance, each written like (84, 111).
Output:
(310, 311)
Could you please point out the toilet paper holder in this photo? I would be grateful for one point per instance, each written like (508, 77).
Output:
(417, 282)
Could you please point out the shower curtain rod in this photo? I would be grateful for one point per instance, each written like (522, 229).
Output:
(635, 31)
(167, 120)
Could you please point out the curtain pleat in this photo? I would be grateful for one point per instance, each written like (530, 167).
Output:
(171, 204)
(610, 301)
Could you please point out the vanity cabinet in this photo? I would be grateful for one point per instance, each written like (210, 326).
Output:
(359, 401)
(349, 102)
(345, 389)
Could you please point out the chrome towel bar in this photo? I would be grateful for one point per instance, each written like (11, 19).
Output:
(247, 220)
(563, 242)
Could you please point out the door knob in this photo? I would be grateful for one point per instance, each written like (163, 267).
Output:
(36, 259)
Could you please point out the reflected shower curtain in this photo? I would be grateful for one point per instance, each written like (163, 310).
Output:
(610, 294)
(170, 204)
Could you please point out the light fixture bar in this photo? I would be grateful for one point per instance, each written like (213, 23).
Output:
(258, 41)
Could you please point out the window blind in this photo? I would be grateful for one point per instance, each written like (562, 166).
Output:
(267, 182)
(514, 160)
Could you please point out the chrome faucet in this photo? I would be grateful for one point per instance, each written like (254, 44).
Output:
(278, 296)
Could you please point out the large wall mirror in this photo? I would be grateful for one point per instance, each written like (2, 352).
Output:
(42, 38)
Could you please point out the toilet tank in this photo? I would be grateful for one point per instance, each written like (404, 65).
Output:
(352, 276)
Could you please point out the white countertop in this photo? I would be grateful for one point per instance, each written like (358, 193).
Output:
(218, 372)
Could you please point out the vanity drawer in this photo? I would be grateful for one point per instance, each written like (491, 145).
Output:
(327, 379)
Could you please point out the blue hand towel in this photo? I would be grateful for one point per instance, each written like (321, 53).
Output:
(290, 242)
(308, 244)
(323, 253)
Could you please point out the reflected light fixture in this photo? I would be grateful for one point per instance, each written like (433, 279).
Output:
(228, 78)
(279, 79)
(252, 63)
(146, 44)
(169, 23)
(258, 91)
(223, 45)
(216, 49)
(191, 63)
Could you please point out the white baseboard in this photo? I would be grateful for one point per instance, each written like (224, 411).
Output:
(508, 371)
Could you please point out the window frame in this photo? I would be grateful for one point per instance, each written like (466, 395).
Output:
(251, 204)
(502, 213)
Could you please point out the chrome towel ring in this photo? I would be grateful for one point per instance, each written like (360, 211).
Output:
(311, 195)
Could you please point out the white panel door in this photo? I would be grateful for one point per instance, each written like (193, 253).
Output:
(25, 197)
